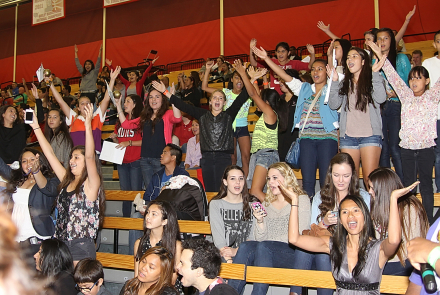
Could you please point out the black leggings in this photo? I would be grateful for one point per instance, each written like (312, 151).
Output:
(213, 165)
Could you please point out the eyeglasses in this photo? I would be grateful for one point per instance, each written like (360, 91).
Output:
(86, 290)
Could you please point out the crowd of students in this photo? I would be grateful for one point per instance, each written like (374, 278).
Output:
(359, 109)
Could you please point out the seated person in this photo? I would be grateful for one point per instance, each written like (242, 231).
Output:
(193, 153)
(170, 158)
(89, 277)
(199, 267)
(183, 130)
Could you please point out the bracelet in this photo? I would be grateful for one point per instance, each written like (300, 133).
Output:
(36, 172)
(295, 206)
(36, 128)
(433, 256)
(265, 83)
(324, 223)
(130, 143)
(165, 92)
(255, 82)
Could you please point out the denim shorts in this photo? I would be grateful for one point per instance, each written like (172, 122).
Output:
(355, 143)
(241, 132)
(81, 248)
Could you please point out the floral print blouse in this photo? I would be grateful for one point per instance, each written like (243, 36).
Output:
(419, 113)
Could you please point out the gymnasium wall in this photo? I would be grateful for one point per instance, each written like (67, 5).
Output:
(188, 29)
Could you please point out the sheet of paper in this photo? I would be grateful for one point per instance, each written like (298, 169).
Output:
(40, 73)
(110, 153)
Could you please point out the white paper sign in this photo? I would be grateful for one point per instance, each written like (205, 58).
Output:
(40, 73)
(110, 153)
(47, 10)
(108, 3)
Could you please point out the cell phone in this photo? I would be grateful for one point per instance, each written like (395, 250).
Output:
(335, 213)
(257, 206)
(29, 116)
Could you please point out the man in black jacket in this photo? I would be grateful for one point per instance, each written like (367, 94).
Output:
(199, 266)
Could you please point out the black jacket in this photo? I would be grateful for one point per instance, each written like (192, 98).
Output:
(216, 133)
(41, 201)
(220, 289)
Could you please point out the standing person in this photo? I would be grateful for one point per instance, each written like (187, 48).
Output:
(357, 258)
(419, 114)
(317, 123)
(240, 124)
(81, 201)
(89, 75)
(391, 109)
(156, 122)
(199, 267)
(411, 212)
(189, 89)
(57, 133)
(341, 180)
(216, 140)
(230, 213)
(160, 230)
(432, 65)
(359, 96)
(130, 175)
(155, 274)
(416, 58)
(133, 85)
(193, 154)
(76, 120)
(268, 246)
(12, 134)
(282, 61)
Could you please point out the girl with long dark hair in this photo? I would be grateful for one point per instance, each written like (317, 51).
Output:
(240, 125)
(160, 229)
(89, 75)
(234, 198)
(317, 123)
(357, 258)
(156, 269)
(57, 133)
(81, 201)
(130, 175)
(413, 218)
(359, 97)
(12, 134)
(189, 87)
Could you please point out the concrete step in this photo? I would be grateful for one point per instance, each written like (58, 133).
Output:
(111, 185)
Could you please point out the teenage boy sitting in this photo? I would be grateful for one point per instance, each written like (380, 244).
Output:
(89, 277)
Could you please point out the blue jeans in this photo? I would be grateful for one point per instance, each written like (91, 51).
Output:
(390, 144)
(437, 158)
(265, 254)
(396, 269)
(148, 167)
(133, 235)
(130, 179)
(315, 153)
(306, 260)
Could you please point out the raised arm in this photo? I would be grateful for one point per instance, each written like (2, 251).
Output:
(145, 75)
(309, 243)
(311, 50)
(402, 30)
(326, 29)
(104, 104)
(389, 246)
(93, 181)
(99, 57)
(26, 90)
(78, 65)
(63, 105)
(56, 165)
(205, 86)
(162, 89)
(252, 59)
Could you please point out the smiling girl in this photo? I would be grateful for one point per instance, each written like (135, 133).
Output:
(57, 133)
(89, 75)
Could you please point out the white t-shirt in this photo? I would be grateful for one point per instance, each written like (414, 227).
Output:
(433, 66)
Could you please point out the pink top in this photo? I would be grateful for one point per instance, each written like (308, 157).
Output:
(168, 121)
(419, 113)
(139, 83)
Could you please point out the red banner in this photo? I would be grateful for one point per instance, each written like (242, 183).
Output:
(44, 11)
(108, 3)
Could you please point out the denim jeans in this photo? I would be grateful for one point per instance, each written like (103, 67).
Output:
(396, 269)
(133, 235)
(437, 158)
(265, 254)
(390, 144)
(315, 153)
(421, 162)
(213, 165)
(130, 179)
(148, 167)
(306, 260)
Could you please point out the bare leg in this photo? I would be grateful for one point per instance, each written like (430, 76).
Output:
(370, 156)
(244, 143)
(356, 155)
(258, 182)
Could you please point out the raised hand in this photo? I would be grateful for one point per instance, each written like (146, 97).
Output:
(323, 27)
(34, 123)
(159, 86)
(114, 74)
(330, 48)
(209, 65)
(154, 60)
(256, 73)
(108, 62)
(100, 48)
(330, 71)
(288, 194)
(238, 66)
(379, 64)
(76, 49)
(173, 89)
(310, 49)
(403, 191)
(375, 49)
(253, 43)
(34, 91)
(88, 110)
(35, 168)
(261, 53)
(411, 13)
